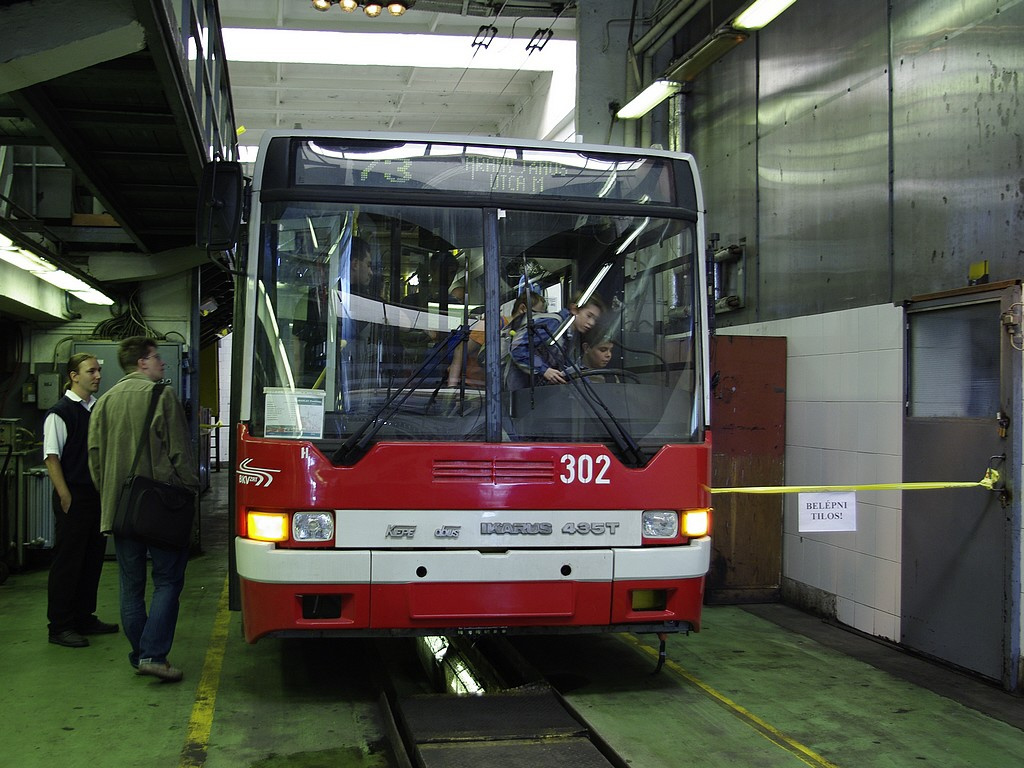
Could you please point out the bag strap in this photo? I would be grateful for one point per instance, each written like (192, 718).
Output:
(157, 390)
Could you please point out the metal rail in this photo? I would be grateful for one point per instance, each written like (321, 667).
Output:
(507, 714)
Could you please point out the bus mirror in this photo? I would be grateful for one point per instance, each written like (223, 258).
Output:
(219, 211)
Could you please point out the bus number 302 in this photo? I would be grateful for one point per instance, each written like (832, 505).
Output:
(585, 469)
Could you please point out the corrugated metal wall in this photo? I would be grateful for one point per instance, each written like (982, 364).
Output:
(860, 176)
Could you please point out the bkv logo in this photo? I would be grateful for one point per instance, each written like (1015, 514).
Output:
(259, 476)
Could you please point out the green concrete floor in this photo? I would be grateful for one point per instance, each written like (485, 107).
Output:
(761, 686)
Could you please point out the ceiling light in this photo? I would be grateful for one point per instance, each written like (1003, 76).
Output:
(704, 55)
(63, 280)
(92, 296)
(26, 260)
(760, 12)
(648, 99)
(45, 270)
(371, 9)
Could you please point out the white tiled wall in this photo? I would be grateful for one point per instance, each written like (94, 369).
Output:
(844, 419)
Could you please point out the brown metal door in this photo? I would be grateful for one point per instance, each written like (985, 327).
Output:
(748, 427)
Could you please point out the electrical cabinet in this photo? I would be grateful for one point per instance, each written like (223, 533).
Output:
(106, 353)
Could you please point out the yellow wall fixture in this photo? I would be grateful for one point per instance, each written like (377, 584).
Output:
(760, 13)
(648, 99)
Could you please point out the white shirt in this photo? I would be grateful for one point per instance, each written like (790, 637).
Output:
(55, 431)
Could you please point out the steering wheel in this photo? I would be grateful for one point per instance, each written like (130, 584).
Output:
(613, 372)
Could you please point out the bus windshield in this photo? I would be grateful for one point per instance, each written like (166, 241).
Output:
(387, 319)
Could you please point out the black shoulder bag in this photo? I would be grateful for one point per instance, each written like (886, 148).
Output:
(158, 514)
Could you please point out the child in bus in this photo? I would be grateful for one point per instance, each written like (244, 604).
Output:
(474, 350)
(597, 353)
(554, 342)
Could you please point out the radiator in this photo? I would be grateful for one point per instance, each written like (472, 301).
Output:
(38, 508)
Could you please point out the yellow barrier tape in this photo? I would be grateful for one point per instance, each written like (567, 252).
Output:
(989, 481)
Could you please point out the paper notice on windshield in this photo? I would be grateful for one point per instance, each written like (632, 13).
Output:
(295, 413)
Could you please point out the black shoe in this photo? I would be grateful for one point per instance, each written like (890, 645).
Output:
(69, 639)
(97, 627)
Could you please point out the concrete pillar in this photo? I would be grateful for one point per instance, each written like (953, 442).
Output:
(602, 39)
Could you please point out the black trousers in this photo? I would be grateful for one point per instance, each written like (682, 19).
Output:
(78, 550)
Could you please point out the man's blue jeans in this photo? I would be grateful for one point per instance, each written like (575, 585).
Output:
(150, 636)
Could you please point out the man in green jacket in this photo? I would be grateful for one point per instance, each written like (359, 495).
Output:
(114, 431)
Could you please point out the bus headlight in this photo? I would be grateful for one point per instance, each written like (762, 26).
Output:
(267, 526)
(660, 524)
(313, 526)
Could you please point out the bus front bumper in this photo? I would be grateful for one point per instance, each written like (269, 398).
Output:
(318, 591)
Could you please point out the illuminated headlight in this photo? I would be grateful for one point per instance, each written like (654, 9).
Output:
(267, 526)
(696, 523)
(312, 526)
(660, 524)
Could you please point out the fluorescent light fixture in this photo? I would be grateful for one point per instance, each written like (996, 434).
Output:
(760, 13)
(50, 273)
(704, 55)
(648, 99)
(26, 261)
(632, 236)
(63, 280)
(92, 296)
(582, 302)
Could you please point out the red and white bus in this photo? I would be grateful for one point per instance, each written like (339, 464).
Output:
(388, 478)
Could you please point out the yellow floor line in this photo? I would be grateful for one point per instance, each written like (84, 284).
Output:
(200, 723)
(774, 735)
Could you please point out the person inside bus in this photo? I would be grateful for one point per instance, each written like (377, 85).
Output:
(360, 334)
(596, 354)
(539, 304)
(469, 351)
(474, 350)
(361, 277)
(540, 355)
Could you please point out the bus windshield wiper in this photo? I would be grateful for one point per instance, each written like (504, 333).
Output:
(629, 451)
(353, 449)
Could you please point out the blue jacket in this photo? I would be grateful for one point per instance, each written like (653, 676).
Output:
(560, 355)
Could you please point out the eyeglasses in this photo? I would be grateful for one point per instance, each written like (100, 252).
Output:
(150, 357)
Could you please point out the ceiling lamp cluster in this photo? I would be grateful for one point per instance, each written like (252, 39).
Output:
(371, 9)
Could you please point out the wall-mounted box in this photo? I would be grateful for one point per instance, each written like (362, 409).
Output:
(48, 390)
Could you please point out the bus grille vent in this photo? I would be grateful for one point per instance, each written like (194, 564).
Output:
(493, 471)
(523, 472)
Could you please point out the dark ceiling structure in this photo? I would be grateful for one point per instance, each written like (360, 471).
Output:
(130, 130)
